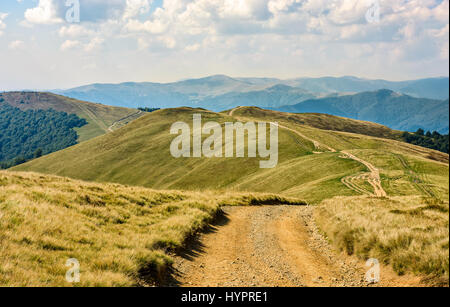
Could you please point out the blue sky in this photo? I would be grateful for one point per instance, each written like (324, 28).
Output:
(168, 40)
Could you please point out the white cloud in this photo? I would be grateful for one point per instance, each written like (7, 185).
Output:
(75, 30)
(284, 38)
(94, 44)
(2, 23)
(69, 44)
(136, 7)
(16, 45)
(45, 13)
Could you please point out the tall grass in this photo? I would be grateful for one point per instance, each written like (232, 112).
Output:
(409, 233)
(122, 236)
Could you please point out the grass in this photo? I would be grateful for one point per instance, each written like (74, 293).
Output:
(121, 235)
(322, 122)
(410, 233)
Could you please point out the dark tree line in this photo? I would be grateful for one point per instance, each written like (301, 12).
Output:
(148, 110)
(432, 140)
(26, 135)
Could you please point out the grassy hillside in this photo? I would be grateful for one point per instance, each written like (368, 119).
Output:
(138, 154)
(99, 117)
(121, 236)
(410, 233)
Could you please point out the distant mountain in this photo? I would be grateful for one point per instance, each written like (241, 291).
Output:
(216, 93)
(432, 88)
(397, 111)
(221, 92)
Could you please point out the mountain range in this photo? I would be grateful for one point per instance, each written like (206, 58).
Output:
(412, 104)
(397, 111)
(221, 92)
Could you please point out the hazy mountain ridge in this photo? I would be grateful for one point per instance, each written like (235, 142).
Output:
(397, 111)
(221, 92)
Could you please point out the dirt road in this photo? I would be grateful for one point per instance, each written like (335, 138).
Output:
(134, 115)
(269, 246)
(372, 177)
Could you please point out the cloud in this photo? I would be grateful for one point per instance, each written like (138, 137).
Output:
(45, 13)
(16, 45)
(94, 44)
(136, 7)
(69, 44)
(75, 30)
(284, 38)
(2, 23)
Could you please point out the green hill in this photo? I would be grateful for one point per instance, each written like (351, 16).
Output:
(315, 163)
(99, 117)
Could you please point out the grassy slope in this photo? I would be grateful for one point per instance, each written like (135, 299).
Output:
(120, 235)
(405, 169)
(410, 233)
(99, 117)
(138, 154)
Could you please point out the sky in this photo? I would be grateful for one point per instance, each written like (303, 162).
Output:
(56, 44)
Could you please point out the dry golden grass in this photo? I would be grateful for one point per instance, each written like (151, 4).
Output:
(122, 236)
(410, 233)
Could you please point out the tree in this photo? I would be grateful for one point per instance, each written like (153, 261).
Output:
(38, 153)
(420, 132)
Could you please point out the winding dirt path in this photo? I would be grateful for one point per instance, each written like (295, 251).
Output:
(276, 246)
(372, 177)
(111, 128)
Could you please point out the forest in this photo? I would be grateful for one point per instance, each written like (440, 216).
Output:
(432, 140)
(25, 135)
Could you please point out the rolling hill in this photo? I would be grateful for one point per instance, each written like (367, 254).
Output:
(314, 163)
(221, 92)
(397, 111)
(99, 117)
